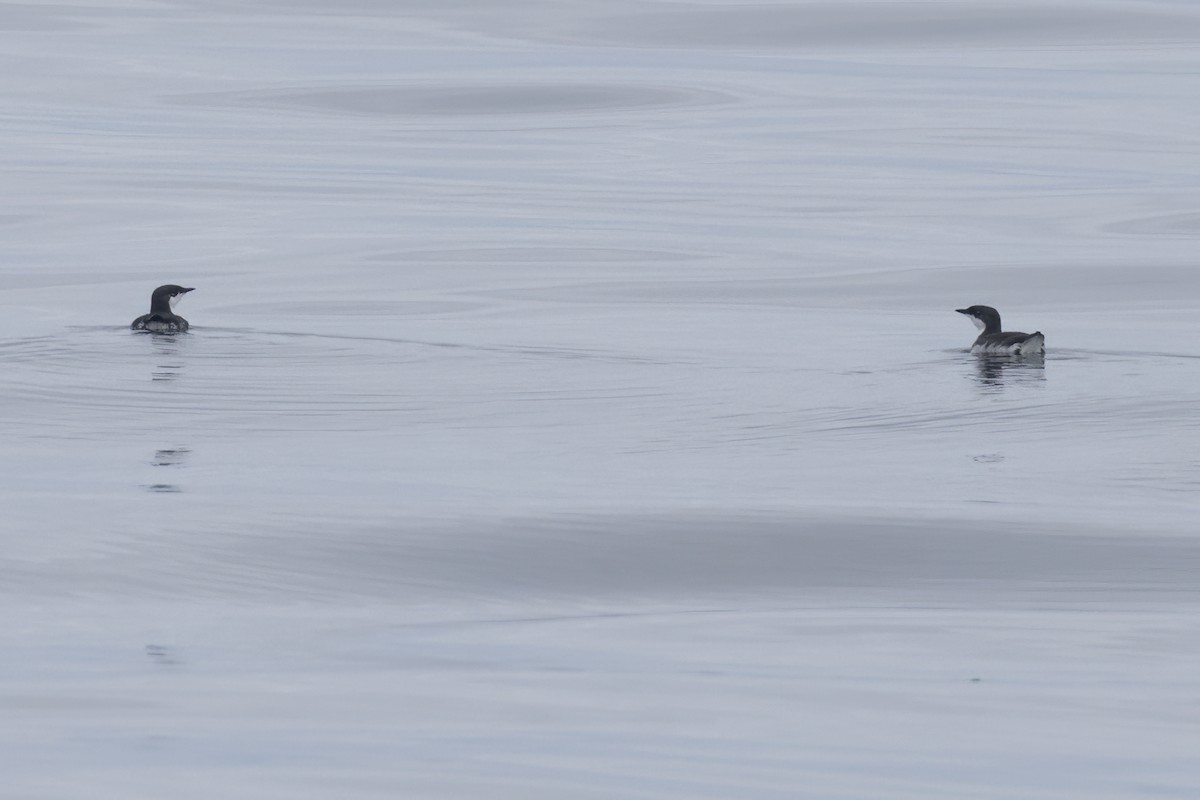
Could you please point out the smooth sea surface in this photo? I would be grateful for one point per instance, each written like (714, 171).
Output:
(575, 408)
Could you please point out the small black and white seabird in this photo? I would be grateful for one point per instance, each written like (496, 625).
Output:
(161, 318)
(993, 340)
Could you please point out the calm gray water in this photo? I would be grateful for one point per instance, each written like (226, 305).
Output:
(574, 405)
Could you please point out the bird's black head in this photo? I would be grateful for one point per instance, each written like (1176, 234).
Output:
(986, 318)
(164, 298)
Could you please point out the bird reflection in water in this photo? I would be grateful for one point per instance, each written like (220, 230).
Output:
(167, 348)
(994, 372)
(170, 457)
(168, 367)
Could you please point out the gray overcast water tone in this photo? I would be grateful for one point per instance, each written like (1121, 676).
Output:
(575, 407)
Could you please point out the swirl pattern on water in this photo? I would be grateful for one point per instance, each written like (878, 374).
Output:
(222, 380)
(442, 100)
(229, 380)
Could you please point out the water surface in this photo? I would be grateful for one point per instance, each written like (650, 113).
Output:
(574, 404)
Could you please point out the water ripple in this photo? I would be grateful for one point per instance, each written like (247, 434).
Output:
(224, 380)
(444, 100)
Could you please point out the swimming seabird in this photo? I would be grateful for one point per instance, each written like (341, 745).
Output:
(993, 340)
(161, 318)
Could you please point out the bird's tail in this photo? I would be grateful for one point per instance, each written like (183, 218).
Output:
(1034, 345)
